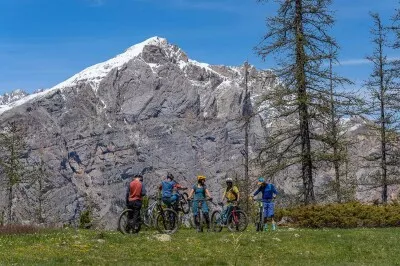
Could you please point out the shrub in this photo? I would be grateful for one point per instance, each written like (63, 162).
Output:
(85, 220)
(348, 215)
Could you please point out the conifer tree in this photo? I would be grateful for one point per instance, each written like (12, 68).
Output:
(384, 111)
(299, 38)
(12, 145)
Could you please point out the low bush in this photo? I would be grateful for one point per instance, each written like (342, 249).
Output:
(85, 220)
(347, 215)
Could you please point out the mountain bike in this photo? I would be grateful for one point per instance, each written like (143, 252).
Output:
(183, 203)
(201, 221)
(236, 220)
(125, 225)
(149, 214)
(166, 220)
(259, 219)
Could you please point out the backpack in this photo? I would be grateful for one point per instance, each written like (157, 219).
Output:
(167, 188)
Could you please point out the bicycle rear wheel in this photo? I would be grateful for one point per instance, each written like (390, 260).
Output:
(167, 221)
(216, 221)
(237, 221)
(124, 225)
(185, 206)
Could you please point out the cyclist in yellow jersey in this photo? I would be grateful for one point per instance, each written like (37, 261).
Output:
(231, 195)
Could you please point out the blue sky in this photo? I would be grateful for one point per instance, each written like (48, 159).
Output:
(43, 42)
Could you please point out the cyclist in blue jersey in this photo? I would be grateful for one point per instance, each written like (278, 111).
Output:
(200, 192)
(269, 193)
(169, 194)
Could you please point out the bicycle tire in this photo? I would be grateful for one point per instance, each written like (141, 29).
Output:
(238, 223)
(216, 221)
(167, 226)
(147, 218)
(185, 206)
(123, 225)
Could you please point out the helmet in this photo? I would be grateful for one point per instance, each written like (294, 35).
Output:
(170, 176)
(229, 180)
(261, 179)
(139, 175)
(201, 177)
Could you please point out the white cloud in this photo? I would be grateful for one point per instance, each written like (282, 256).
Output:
(353, 62)
(362, 61)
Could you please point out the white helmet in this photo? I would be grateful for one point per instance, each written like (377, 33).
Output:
(229, 179)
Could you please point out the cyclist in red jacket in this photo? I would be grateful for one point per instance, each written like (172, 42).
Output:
(134, 194)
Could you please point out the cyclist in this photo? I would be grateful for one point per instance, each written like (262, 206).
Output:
(200, 192)
(231, 194)
(169, 194)
(269, 193)
(134, 193)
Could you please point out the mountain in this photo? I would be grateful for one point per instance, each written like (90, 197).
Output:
(150, 109)
(8, 98)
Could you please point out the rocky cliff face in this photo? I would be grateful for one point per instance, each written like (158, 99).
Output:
(149, 110)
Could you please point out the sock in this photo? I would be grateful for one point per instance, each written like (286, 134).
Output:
(274, 226)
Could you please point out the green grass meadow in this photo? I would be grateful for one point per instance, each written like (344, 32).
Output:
(283, 247)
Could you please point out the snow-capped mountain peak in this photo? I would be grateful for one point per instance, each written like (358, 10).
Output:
(13, 96)
(94, 74)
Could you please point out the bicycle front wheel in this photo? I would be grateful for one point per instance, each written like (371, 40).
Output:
(216, 221)
(237, 221)
(167, 221)
(124, 225)
(185, 206)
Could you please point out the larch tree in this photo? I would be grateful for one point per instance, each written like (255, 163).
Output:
(384, 111)
(299, 38)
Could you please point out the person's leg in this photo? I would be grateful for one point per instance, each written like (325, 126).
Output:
(175, 202)
(195, 214)
(137, 204)
(129, 224)
(265, 214)
(205, 214)
(271, 214)
(166, 201)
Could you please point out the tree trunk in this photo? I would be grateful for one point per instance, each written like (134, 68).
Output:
(306, 160)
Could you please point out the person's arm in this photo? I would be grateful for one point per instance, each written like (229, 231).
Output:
(274, 191)
(255, 193)
(143, 190)
(208, 194)
(191, 193)
(237, 194)
(127, 195)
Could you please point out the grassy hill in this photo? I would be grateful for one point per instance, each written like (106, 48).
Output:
(186, 247)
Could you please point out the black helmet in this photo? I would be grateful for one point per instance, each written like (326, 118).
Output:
(170, 176)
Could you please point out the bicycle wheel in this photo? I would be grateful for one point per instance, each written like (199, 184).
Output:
(185, 206)
(147, 218)
(124, 226)
(216, 221)
(237, 221)
(167, 221)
